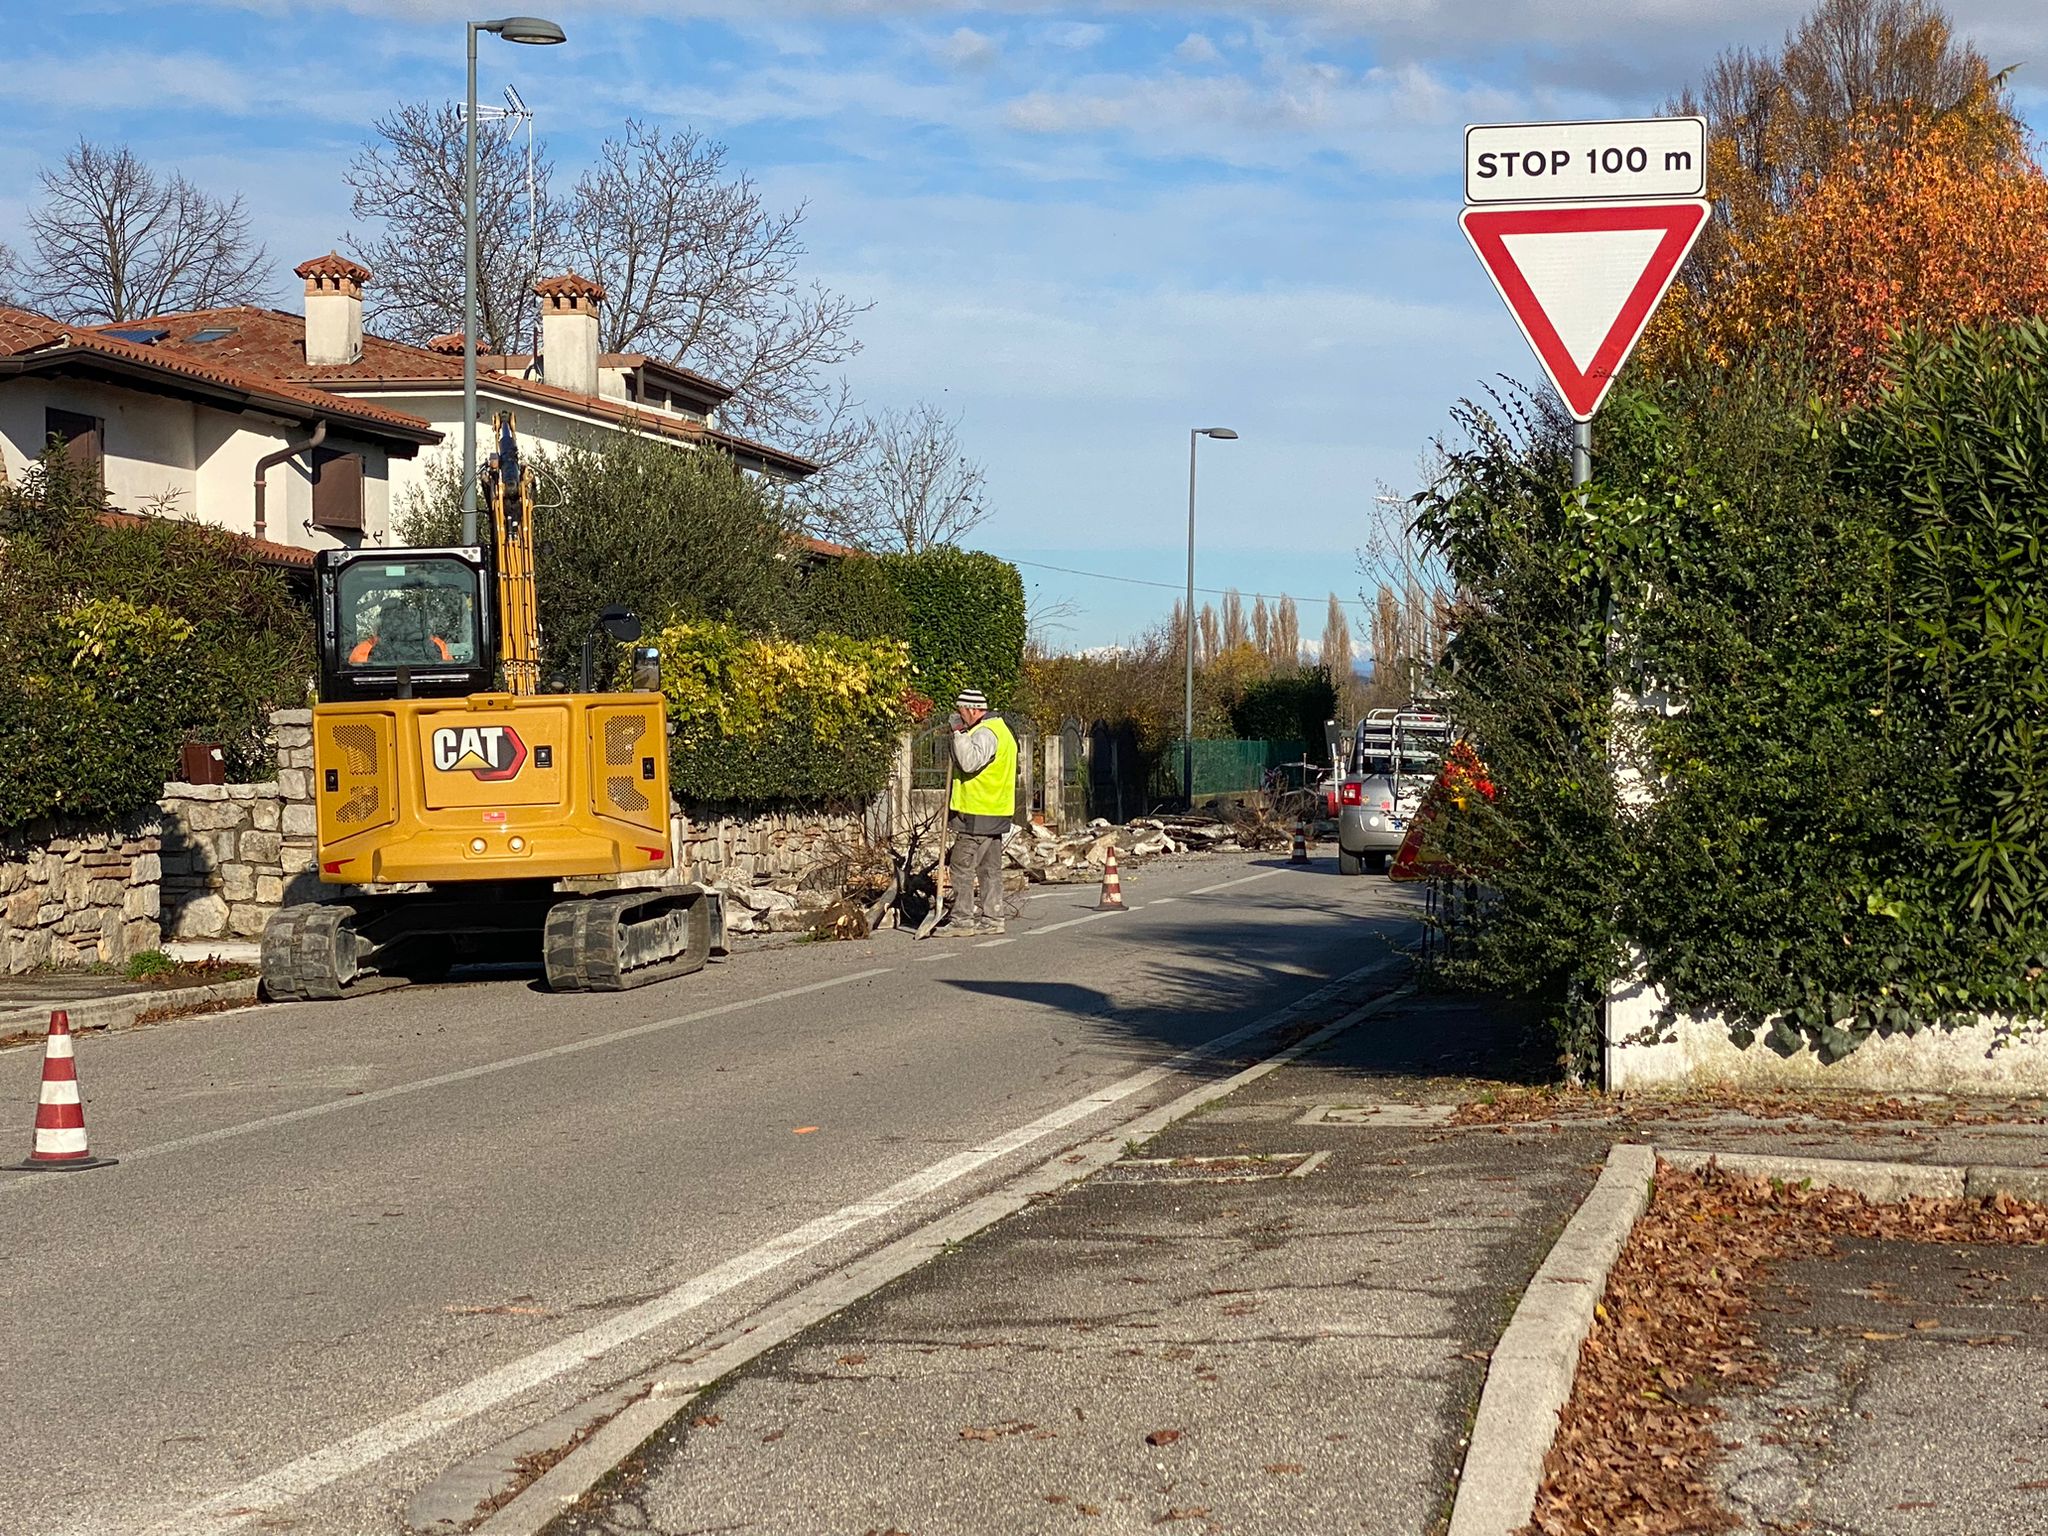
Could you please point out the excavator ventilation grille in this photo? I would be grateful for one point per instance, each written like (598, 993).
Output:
(622, 735)
(359, 743)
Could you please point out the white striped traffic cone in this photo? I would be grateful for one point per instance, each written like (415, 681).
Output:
(60, 1116)
(1112, 887)
(1300, 854)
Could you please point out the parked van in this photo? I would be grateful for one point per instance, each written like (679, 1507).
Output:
(1394, 758)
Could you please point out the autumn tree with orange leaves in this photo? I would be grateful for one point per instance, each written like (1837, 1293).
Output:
(1871, 179)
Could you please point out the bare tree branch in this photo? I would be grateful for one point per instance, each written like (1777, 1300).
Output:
(907, 487)
(115, 241)
(696, 267)
(410, 185)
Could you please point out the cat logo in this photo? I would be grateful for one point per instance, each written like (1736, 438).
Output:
(491, 752)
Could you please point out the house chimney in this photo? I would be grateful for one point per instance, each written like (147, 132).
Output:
(334, 308)
(568, 331)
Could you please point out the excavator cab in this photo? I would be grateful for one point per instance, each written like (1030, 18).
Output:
(470, 815)
(412, 623)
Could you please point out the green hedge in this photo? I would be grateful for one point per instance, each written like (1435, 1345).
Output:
(1294, 708)
(1840, 828)
(762, 721)
(965, 612)
(124, 640)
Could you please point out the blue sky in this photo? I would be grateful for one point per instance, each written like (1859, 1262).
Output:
(1084, 229)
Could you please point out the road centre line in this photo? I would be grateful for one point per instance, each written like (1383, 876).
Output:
(263, 1496)
(466, 1074)
(1208, 890)
(1091, 917)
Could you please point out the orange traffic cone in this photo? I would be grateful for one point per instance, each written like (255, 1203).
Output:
(1300, 854)
(60, 1116)
(1112, 886)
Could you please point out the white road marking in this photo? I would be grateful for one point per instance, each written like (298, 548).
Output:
(1162, 901)
(1241, 880)
(1070, 922)
(238, 1507)
(992, 943)
(467, 1074)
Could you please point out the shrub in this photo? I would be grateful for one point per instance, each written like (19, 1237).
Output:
(125, 638)
(966, 619)
(1292, 707)
(762, 721)
(854, 597)
(1833, 828)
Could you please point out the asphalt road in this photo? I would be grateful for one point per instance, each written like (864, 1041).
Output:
(351, 1245)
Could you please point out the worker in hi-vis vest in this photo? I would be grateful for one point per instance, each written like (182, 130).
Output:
(984, 810)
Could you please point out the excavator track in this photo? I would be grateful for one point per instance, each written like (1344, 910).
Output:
(311, 953)
(630, 939)
(607, 941)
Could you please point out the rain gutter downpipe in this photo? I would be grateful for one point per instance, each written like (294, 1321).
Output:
(288, 451)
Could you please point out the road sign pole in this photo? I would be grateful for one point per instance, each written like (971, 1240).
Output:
(1582, 454)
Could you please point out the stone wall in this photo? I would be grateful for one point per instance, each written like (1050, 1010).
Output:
(78, 896)
(775, 870)
(234, 853)
(216, 861)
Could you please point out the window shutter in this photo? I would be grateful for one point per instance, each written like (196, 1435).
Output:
(83, 437)
(337, 489)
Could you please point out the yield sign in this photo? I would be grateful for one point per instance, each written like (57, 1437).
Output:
(1583, 279)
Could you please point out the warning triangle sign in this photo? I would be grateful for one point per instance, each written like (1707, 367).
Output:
(1582, 280)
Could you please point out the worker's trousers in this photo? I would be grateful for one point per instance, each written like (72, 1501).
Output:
(977, 860)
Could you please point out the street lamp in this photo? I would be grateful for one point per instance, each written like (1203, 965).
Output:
(1187, 724)
(513, 29)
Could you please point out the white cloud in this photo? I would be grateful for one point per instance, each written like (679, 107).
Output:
(1079, 35)
(122, 79)
(966, 48)
(1196, 49)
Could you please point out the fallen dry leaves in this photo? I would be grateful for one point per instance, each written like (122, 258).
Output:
(1636, 1441)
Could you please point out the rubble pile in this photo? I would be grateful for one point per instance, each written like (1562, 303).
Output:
(1076, 857)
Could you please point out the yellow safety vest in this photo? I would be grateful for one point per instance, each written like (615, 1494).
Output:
(993, 791)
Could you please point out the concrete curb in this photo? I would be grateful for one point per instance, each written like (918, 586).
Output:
(1882, 1182)
(1530, 1375)
(126, 1007)
(662, 1397)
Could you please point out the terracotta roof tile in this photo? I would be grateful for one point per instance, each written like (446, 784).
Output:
(335, 267)
(273, 342)
(570, 285)
(24, 335)
(267, 550)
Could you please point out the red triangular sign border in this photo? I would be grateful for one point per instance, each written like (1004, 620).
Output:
(1582, 391)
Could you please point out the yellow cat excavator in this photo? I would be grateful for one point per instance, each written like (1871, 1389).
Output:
(514, 822)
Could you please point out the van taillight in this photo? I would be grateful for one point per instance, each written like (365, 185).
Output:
(1352, 793)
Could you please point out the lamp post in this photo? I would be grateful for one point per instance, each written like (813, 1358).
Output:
(513, 29)
(1187, 723)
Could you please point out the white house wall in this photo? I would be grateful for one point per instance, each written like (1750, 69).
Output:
(535, 427)
(148, 444)
(230, 447)
(191, 460)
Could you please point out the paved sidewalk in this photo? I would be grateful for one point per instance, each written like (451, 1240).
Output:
(1910, 1395)
(1229, 1346)
(1293, 1336)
